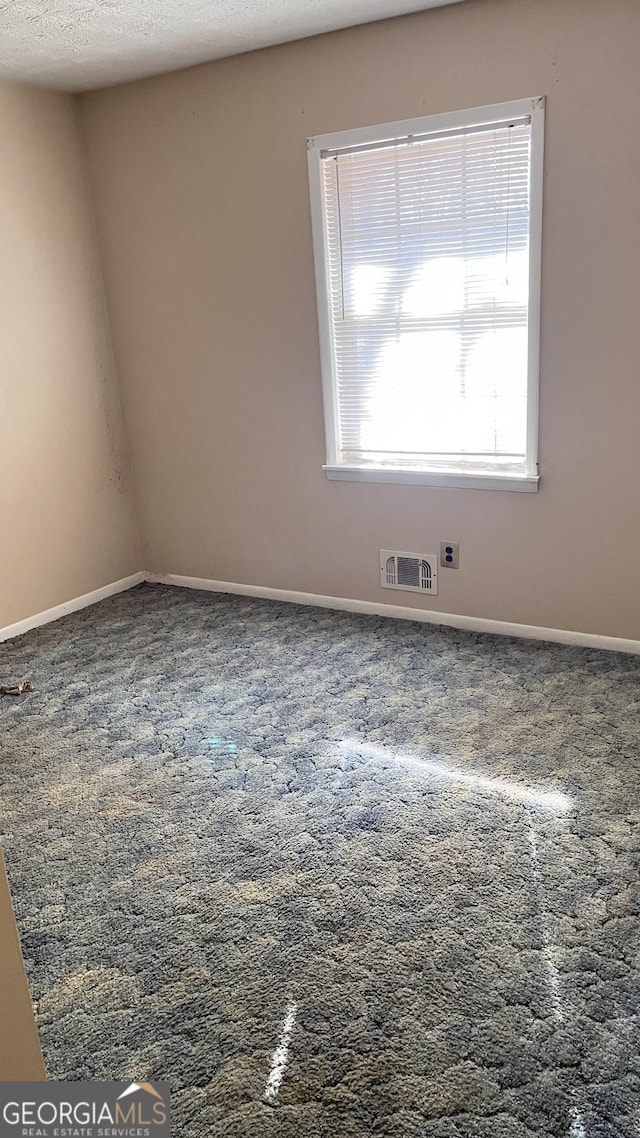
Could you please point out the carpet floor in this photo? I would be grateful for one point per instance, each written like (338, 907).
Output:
(330, 876)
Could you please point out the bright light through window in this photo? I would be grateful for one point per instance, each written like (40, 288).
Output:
(427, 245)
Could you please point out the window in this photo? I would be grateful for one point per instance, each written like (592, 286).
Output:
(427, 248)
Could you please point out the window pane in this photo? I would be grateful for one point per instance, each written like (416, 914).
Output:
(428, 266)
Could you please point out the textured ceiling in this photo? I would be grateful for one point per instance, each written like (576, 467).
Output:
(77, 45)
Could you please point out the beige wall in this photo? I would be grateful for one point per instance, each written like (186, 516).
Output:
(67, 522)
(201, 195)
(20, 1055)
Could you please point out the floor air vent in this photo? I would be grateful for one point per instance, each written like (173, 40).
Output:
(413, 572)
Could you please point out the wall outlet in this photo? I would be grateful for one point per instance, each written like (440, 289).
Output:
(449, 554)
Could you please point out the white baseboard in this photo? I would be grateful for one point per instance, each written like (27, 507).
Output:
(71, 606)
(344, 604)
(402, 612)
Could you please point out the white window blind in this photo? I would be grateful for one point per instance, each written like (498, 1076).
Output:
(426, 243)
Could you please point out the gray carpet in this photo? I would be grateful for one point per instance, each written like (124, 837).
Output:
(405, 855)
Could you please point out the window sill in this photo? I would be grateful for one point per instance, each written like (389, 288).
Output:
(524, 484)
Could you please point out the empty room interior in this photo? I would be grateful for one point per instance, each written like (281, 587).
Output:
(319, 567)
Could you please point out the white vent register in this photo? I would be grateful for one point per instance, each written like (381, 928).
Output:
(411, 572)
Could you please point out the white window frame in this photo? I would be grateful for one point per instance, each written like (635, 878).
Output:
(431, 124)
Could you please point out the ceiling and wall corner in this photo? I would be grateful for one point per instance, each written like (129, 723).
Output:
(79, 45)
(67, 514)
(67, 506)
(215, 331)
(202, 202)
